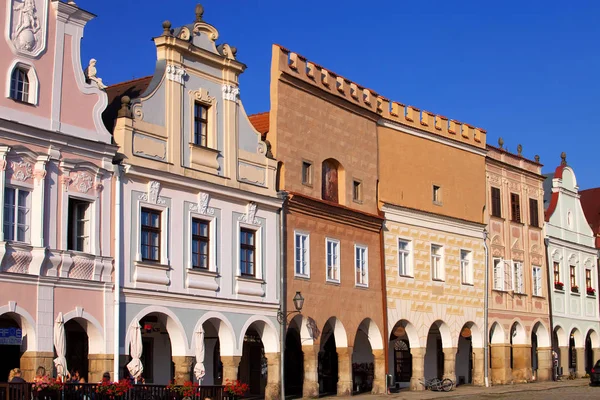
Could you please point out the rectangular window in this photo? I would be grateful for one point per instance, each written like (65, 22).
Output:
(16, 214)
(518, 277)
(466, 272)
(515, 207)
(588, 279)
(573, 276)
(437, 194)
(151, 230)
(247, 252)
(306, 173)
(78, 234)
(498, 274)
(533, 213)
(404, 268)
(357, 191)
(556, 272)
(437, 267)
(200, 242)
(302, 255)
(361, 265)
(200, 124)
(496, 202)
(333, 260)
(537, 281)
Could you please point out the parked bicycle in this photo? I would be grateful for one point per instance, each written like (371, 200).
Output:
(438, 385)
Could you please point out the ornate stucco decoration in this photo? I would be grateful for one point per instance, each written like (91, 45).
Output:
(153, 194)
(203, 96)
(250, 216)
(202, 206)
(230, 92)
(81, 181)
(26, 25)
(176, 73)
(90, 75)
(22, 170)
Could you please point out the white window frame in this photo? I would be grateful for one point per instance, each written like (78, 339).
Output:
(164, 231)
(441, 276)
(258, 264)
(305, 254)
(537, 287)
(76, 234)
(336, 267)
(498, 273)
(466, 267)
(408, 253)
(363, 263)
(31, 76)
(212, 241)
(518, 277)
(16, 224)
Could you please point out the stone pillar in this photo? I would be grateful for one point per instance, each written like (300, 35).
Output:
(273, 389)
(596, 355)
(310, 386)
(478, 366)
(418, 368)
(230, 367)
(544, 356)
(31, 360)
(344, 385)
(521, 363)
(580, 367)
(450, 363)
(98, 364)
(500, 357)
(564, 360)
(379, 372)
(183, 369)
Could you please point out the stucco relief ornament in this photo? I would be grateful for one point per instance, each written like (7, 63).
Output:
(202, 206)
(176, 73)
(21, 170)
(26, 33)
(152, 196)
(250, 216)
(82, 181)
(90, 75)
(230, 92)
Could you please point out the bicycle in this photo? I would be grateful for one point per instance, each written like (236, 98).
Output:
(438, 385)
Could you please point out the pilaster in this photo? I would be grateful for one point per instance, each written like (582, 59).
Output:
(564, 360)
(478, 367)
(418, 368)
(183, 369)
(500, 371)
(310, 386)
(521, 371)
(31, 360)
(230, 367)
(98, 364)
(273, 389)
(544, 356)
(344, 385)
(580, 367)
(450, 363)
(379, 373)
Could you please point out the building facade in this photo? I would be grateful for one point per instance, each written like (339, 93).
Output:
(200, 254)
(519, 324)
(572, 259)
(56, 172)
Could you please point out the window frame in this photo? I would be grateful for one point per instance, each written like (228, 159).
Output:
(496, 202)
(200, 238)
(409, 267)
(19, 95)
(305, 255)
(203, 121)
(151, 229)
(534, 214)
(307, 173)
(515, 207)
(588, 279)
(556, 272)
(357, 191)
(518, 277)
(498, 274)
(337, 265)
(537, 290)
(16, 221)
(32, 97)
(243, 246)
(440, 263)
(466, 274)
(573, 276)
(437, 194)
(365, 265)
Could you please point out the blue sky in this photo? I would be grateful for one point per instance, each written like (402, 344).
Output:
(523, 70)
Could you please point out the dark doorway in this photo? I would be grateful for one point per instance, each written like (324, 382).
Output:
(534, 355)
(572, 353)
(294, 364)
(217, 364)
(148, 358)
(464, 358)
(252, 369)
(10, 354)
(402, 361)
(589, 354)
(77, 348)
(328, 366)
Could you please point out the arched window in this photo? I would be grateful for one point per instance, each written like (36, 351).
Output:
(19, 85)
(329, 185)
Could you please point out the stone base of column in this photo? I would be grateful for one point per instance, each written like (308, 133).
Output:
(230, 367)
(563, 362)
(273, 389)
(379, 372)
(500, 358)
(344, 385)
(580, 367)
(478, 366)
(450, 363)
(310, 386)
(183, 369)
(98, 364)
(521, 372)
(418, 368)
(31, 360)
(544, 371)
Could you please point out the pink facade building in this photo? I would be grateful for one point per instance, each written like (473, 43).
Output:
(56, 179)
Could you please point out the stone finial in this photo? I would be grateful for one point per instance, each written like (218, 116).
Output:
(563, 158)
(124, 110)
(500, 142)
(71, 3)
(166, 28)
(199, 12)
(234, 51)
(537, 158)
(519, 149)
(90, 75)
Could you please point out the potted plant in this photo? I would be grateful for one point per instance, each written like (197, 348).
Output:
(185, 391)
(235, 389)
(46, 387)
(559, 285)
(591, 291)
(575, 289)
(112, 390)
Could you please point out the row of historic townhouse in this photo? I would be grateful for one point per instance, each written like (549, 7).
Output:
(163, 229)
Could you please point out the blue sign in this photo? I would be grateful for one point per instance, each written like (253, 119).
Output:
(11, 336)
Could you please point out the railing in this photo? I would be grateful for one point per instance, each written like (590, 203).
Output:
(87, 391)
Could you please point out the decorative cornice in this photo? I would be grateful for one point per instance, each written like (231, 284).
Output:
(230, 92)
(176, 73)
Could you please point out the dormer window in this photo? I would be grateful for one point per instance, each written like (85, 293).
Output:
(19, 85)
(200, 124)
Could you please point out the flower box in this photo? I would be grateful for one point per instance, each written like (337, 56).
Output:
(235, 389)
(591, 291)
(559, 285)
(575, 289)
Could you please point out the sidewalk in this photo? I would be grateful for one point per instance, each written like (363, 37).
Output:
(462, 391)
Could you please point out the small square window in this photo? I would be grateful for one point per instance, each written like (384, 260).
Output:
(357, 191)
(437, 194)
(306, 173)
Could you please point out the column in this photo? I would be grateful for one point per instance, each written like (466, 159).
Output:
(31, 360)
(544, 356)
(37, 216)
(580, 367)
(98, 364)
(230, 367)
(273, 389)
(450, 363)
(379, 372)
(310, 386)
(500, 358)
(418, 368)
(344, 385)
(521, 363)
(3, 152)
(478, 366)
(564, 360)
(183, 369)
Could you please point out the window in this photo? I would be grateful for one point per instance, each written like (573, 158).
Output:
(518, 277)
(357, 191)
(437, 268)
(19, 85)
(556, 271)
(306, 173)
(496, 203)
(247, 252)
(498, 274)
(437, 194)
(333, 260)
(404, 268)
(16, 214)
(79, 225)
(572, 275)
(466, 272)
(588, 279)
(533, 213)
(515, 208)
(150, 224)
(200, 241)
(302, 255)
(329, 189)
(361, 265)
(537, 280)
(200, 124)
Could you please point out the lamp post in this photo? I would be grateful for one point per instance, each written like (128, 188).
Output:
(298, 304)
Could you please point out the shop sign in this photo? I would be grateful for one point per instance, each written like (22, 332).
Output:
(11, 336)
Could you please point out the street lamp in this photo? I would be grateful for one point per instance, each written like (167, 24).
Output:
(298, 304)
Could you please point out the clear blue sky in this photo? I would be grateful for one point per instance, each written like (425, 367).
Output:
(524, 70)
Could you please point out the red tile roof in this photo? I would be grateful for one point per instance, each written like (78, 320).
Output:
(260, 122)
(554, 199)
(133, 88)
(590, 202)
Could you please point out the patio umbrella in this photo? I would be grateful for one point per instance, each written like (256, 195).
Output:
(60, 345)
(199, 370)
(135, 366)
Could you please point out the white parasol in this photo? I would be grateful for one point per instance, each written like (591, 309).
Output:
(135, 366)
(199, 370)
(60, 345)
